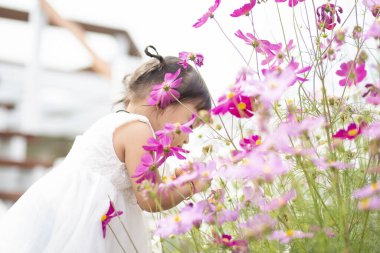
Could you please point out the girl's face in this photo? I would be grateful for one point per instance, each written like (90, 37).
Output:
(178, 114)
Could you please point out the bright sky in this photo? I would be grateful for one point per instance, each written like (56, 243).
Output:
(167, 24)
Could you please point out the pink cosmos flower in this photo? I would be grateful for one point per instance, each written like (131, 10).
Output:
(163, 94)
(184, 57)
(285, 237)
(351, 73)
(227, 242)
(207, 15)
(278, 55)
(106, 218)
(351, 133)
(262, 46)
(258, 225)
(368, 204)
(373, 93)
(278, 202)
(374, 30)
(373, 6)
(322, 164)
(189, 216)
(250, 143)
(367, 191)
(244, 10)
(162, 147)
(146, 170)
(331, 48)
(373, 130)
(177, 128)
(291, 3)
(326, 14)
(236, 103)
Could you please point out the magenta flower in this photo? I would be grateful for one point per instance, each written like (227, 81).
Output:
(367, 191)
(250, 143)
(373, 93)
(291, 3)
(207, 15)
(146, 170)
(278, 202)
(351, 133)
(106, 218)
(262, 46)
(258, 225)
(278, 54)
(326, 14)
(285, 237)
(162, 147)
(244, 10)
(178, 128)
(368, 204)
(352, 73)
(227, 242)
(163, 94)
(184, 57)
(235, 103)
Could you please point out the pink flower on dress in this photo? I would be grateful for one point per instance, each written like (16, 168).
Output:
(146, 170)
(235, 103)
(352, 73)
(351, 133)
(207, 15)
(244, 10)
(184, 57)
(106, 218)
(326, 14)
(163, 94)
(291, 3)
(285, 237)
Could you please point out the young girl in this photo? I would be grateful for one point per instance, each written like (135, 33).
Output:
(66, 210)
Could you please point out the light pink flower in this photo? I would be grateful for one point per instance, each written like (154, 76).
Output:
(368, 204)
(244, 10)
(279, 202)
(163, 94)
(262, 46)
(373, 6)
(258, 225)
(352, 73)
(373, 130)
(177, 128)
(285, 237)
(322, 164)
(278, 55)
(373, 93)
(374, 30)
(367, 191)
(207, 15)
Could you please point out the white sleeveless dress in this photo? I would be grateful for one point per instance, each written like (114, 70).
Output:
(62, 211)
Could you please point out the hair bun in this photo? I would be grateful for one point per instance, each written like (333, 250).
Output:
(157, 55)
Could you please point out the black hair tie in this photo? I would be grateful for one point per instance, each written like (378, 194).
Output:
(157, 55)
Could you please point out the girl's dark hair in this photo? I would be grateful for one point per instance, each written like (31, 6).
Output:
(140, 82)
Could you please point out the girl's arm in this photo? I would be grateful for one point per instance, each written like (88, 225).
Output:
(130, 138)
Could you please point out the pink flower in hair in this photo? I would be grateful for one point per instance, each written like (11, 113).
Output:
(207, 15)
(163, 94)
(352, 73)
(244, 10)
(184, 57)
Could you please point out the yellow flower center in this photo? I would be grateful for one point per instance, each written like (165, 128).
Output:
(230, 95)
(364, 203)
(104, 217)
(290, 232)
(219, 207)
(242, 106)
(226, 240)
(353, 132)
(205, 173)
(211, 200)
(258, 142)
(273, 85)
(164, 179)
(177, 218)
(374, 186)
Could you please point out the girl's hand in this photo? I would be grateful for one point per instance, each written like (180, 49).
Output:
(201, 184)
